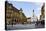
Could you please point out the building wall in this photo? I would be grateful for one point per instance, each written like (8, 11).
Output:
(29, 20)
(13, 15)
(42, 16)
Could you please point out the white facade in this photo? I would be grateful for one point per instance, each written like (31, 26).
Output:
(33, 19)
(28, 20)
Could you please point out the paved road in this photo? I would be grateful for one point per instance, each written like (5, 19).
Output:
(25, 26)
(20, 26)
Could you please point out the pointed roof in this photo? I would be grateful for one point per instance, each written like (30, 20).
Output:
(33, 10)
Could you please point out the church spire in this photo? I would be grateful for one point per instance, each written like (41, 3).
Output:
(33, 13)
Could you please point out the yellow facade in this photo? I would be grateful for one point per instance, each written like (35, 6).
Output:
(13, 15)
(42, 12)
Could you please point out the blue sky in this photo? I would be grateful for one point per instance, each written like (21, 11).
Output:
(28, 7)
